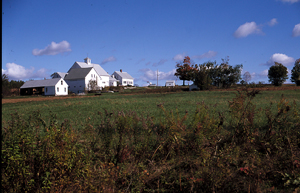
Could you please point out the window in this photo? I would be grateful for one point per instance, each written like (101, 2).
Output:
(57, 89)
(62, 83)
(46, 89)
(124, 82)
(65, 89)
(91, 75)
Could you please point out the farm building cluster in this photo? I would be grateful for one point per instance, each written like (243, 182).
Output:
(81, 77)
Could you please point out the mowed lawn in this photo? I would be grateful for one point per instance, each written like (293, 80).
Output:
(79, 110)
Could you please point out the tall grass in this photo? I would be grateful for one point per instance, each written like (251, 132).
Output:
(125, 151)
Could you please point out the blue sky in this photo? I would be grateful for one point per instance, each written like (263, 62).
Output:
(40, 37)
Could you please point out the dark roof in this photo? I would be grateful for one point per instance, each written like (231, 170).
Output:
(40, 83)
(78, 73)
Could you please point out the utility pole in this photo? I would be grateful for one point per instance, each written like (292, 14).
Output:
(157, 78)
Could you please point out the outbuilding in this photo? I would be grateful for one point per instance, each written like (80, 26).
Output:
(55, 86)
(170, 83)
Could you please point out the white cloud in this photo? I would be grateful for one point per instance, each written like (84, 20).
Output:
(209, 54)
(53, 49)
(247, 29)
(18, 72)
(280, 58)
(152, 75)
(179, 57)
(264, 73)
(296, 30)
(290, 1)
(109, 59)
(273, 22)
(161, 62)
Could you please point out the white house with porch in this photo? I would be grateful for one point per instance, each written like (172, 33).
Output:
(124, 78)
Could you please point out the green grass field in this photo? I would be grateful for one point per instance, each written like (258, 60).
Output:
(77, 110)
(126, 142)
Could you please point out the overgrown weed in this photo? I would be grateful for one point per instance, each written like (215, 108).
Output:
(124, 152)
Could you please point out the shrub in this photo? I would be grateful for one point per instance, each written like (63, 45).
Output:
(127, 152)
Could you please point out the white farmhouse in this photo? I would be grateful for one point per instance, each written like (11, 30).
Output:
(124, 78)
(103, 75)
(55, 86)
(84, 79)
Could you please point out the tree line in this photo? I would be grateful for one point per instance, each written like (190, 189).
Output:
(8, 86)
(224, 75)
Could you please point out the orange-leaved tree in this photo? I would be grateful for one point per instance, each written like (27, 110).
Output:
(185, 70)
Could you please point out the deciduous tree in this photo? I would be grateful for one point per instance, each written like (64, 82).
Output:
(202, 76)
(93, 85)
(185, 70)
(225, 75)
(277, 74)
(247, 77)
(295, 76)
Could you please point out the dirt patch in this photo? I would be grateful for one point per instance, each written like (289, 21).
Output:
(41, 98)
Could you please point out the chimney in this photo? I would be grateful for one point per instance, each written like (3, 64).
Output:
(120, 70)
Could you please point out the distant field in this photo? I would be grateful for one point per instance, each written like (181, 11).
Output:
(79, 109)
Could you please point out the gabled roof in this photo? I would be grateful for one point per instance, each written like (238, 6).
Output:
(112, 78)
(40, 83)
(124, 75)
(78, 73)
(62, 74)
(172, 81)
(97, 67)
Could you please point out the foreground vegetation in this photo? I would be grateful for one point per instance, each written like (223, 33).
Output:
(246, 149)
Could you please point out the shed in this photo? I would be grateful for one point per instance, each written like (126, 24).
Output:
(55, 86)
(170, 83)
